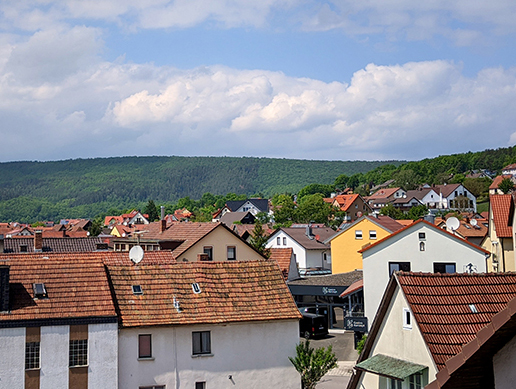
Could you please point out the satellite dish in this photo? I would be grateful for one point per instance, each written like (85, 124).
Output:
(359, 214)
(136, 254)
(452, 223)
(473, 222)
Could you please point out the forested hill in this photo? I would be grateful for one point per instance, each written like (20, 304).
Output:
(31, 191)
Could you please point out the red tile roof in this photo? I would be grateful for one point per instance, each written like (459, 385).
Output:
(440, 304)
(282, 256)
(76, 288)
(383, 193)
(230, 292)
(345, 201)
(501, 208)
(12, 245)
(498, 180)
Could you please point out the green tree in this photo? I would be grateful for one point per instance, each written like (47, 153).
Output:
(393, 212)
(407, 179)
(506, 185)
(284, 209)
(312, 364)
(341, 182)
(417, 212)
(152, 211)
(259, 239)
(96, 226)
(311, 189)
(312, 208)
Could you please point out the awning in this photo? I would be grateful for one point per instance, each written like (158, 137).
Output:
(354, 287)
(389, 367)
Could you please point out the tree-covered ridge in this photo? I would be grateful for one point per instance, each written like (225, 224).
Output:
(31, 191)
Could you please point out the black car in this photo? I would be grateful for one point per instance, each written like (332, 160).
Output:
(312, 325)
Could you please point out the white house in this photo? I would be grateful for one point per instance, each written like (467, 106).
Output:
(427, 327)
(419, 247)
(205, 325)
(307, 243)
(58, 324)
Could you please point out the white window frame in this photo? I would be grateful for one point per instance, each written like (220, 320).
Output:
(358, 234)
(372, 234)
(407, 319)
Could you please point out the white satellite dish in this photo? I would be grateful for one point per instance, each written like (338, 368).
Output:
(136, 254)
(452, 223)
(473, 222)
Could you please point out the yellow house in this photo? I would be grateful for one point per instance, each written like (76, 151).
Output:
(365, 231)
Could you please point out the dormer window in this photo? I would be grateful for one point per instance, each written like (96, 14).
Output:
(137, 289)
(39, 290)
(23, 248)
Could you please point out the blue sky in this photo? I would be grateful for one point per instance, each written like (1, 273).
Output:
(339, 79)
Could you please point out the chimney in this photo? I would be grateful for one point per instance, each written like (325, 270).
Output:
(309, 231)
(1, 243)
(162, 212)
(38, 241)
(163, 225)
(4, 288)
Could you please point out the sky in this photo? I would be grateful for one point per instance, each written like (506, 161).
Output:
(304, 79)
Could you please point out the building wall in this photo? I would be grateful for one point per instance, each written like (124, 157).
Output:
(299, 251)
(503, 366)
(344, 247)
(255, 355)
(395, 341)
(220, 239)
(12, 357)
(404, 247)
(54, 353)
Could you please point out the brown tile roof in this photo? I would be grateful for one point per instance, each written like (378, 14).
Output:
(12, 245)
(230, 292)
(340, 279)
(498, 180)
(319, 236)
(501, 207)
(282, 256)
(387, 222)
(188, 232)
(76, 288)
(440, 304)
(383, 193)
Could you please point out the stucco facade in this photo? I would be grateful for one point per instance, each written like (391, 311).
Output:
(503, 366)
(249, 355)
(396, 341)
(421, 245)
(54, 345)
(345, 246)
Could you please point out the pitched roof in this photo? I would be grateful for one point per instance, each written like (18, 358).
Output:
(345, 201)
(230, 292)
(501, 208)
(282, 256)
(383, 193)
(340, 279)
(498, 179)
(76, 288)
(428, 224)
(320, 235)
(13, 245)
(261, 204)
(440, 304)
(382, 221)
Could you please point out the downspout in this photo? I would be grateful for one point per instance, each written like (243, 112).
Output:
(176, 372)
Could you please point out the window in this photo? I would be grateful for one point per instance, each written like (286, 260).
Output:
(201, 343)
(444, 268)
(200, 385)
(78, 352)
(394, 384)
(421, 246)
(144, 346)
(407, 319)
(231, 253)
(208, 250)
(415, 381)
(284, 241)
(278, 240)
(372, 234)
(23, 248)
(39, 290)
(358, 234)
(398, 266)
(31, 355)
(137, 289)
(422, 235)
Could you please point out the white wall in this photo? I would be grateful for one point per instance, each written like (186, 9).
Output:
(503, 365)
(54, 348)
(404, 247)
(254, 354)
(395, 341)
(103, 355)
(12, 357)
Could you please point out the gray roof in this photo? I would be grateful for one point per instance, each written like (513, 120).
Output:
(56, 245)
(319, 235)
(341, 279)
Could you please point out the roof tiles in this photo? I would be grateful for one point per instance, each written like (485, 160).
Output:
(501, 207)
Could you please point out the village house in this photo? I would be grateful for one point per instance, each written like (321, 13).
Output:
(286, 261)
(58, 324)
(353, 206)
(364, 231)
(205, 325)
(425, 320)
(384, 196)
(419, 247)
(307, 242)
(254, 206)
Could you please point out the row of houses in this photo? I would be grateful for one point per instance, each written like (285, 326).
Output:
(95, 320)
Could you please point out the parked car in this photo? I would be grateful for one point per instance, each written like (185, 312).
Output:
(312, 325)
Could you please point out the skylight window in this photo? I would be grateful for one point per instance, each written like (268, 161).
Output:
(196, 288)
(137, 289)
(473, 308)
(39, 290)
